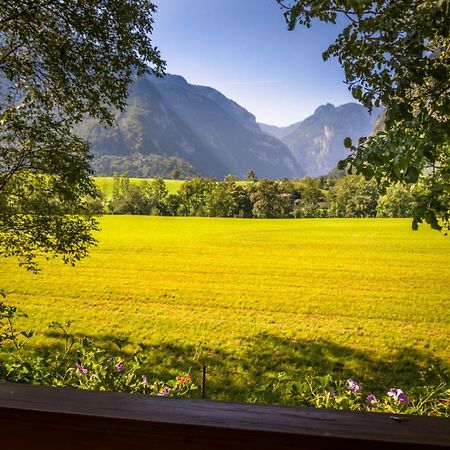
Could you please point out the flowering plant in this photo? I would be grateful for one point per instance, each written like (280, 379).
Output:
(80, 364)
(326, 392)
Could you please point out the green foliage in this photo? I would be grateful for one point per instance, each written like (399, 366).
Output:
(144, 166)
(251, 176)
(353, 196)
(311, 197)
(145, 198)
(350, 196)
(313, 390)
(193, 196)
(396, 54)
(220, 201)
(60, 61)
(271, 199)
(79, 364)
(398, 201)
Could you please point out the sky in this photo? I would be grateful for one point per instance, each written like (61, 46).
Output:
(243, 49)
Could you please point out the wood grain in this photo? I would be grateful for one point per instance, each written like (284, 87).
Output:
(36, 417)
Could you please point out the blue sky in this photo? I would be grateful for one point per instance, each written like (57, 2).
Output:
(243, 49)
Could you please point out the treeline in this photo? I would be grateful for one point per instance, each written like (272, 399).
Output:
(144, 166)
(348, 196)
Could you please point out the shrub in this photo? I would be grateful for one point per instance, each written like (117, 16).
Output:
(80, 364)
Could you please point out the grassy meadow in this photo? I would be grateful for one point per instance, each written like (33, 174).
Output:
(362, 298)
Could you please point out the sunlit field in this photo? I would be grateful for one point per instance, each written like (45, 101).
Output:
(362, 298)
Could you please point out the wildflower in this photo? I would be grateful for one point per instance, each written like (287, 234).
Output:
(165, 392)
(398, 395)
(371, 399)
(119, 366)
(353, 386)
(183, 379)
(81, 369)
(144, 379)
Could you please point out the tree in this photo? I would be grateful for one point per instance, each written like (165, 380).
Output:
(396, 53)
(398, 201)
(219, 201)
(251, 176)
(270, 199)
(156, 193)
(308, 205)
(193, 194)
(60, 60)
(353, 196)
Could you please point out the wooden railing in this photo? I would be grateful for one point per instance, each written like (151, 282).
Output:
(33, 417)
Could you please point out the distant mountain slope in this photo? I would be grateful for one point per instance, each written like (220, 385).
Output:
(317, 142)
(379, 123)
(144, 166)
(170, 117)
(278, 132)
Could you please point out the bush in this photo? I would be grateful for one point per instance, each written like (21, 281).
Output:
(80, 364)
(325, 392)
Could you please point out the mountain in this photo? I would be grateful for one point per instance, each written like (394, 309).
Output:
(172, 118)
(278, 132)
(379, 124)
(317, 142)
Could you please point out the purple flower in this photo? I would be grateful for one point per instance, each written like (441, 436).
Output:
(119, 366)
(353, 386)
(144, 379)
(81, 369)
(165, 392)
(398, 395)
(371, 399)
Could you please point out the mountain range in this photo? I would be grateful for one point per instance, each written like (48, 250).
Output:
(317, 142)
(171, 118)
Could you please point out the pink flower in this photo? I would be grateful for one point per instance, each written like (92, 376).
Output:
(144, 379)
(353, 386)
(165, 392)
(81, 369)
(398, 395)
(119, 366)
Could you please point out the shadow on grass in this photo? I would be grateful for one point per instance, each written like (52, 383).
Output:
(238, 374)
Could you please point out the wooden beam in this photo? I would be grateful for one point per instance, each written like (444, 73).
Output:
(36, 417)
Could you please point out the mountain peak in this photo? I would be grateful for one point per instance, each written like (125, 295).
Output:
(168, 78)
(172, 118)
(324, 108)
(317, 142)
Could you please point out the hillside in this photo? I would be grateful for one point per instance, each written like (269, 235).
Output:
(317, 142)
(172, 118)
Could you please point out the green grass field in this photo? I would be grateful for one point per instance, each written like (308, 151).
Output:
(366, 298)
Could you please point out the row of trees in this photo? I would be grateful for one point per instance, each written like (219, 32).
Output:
(350, 196)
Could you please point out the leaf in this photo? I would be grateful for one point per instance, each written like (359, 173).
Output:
(348, 142)
(411, 174)
(362, 140)
(342, 164)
